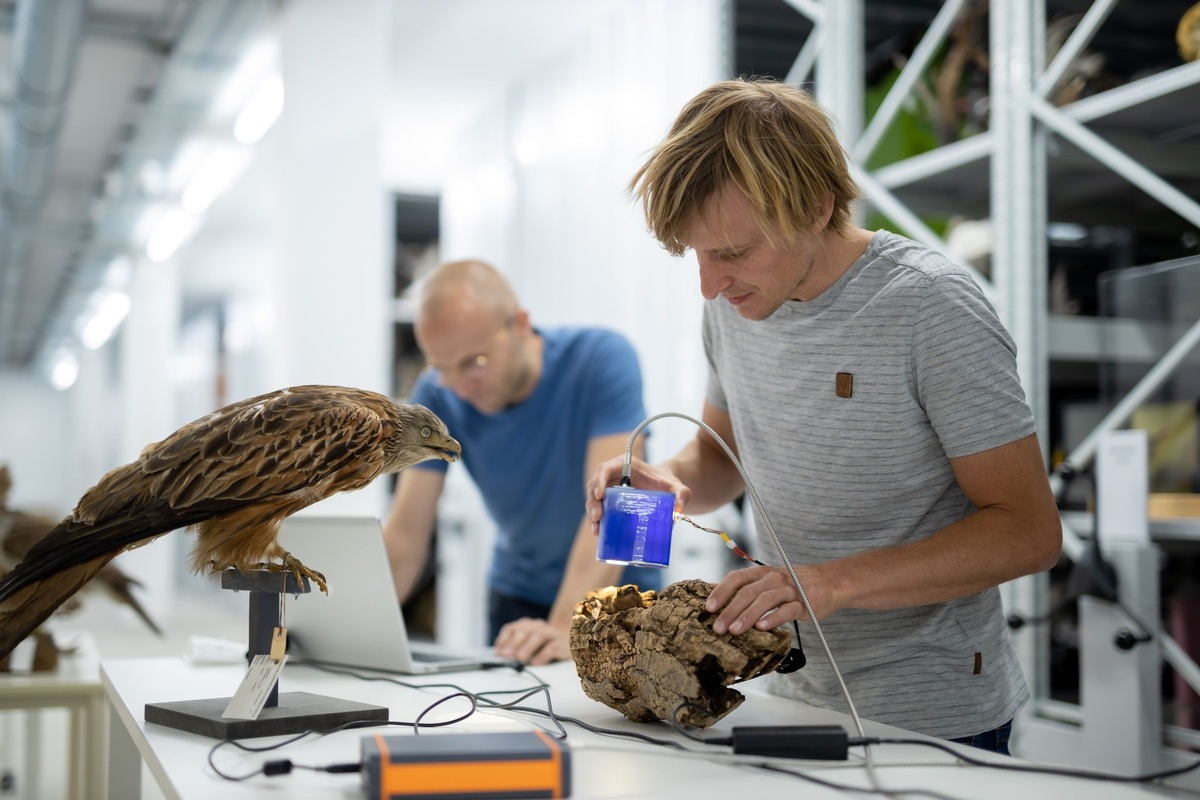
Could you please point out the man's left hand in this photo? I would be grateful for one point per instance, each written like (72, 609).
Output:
(533, 642)
(765, 597)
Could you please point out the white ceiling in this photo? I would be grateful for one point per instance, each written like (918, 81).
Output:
(141, 75)
(144, 77)
(452, 59)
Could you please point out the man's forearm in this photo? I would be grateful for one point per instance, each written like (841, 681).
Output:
(405, 572)
(705, 468)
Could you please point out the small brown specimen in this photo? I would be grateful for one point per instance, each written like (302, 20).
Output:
(45, 655)
(645, 655)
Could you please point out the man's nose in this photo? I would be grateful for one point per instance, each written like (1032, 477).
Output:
(712, 276)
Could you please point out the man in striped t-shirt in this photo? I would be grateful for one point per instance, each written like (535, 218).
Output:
(872, 395)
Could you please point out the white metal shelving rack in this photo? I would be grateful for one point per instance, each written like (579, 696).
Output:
(1116, 146)
(1114, 157)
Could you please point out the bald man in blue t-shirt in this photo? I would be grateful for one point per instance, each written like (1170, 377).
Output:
(536, 410)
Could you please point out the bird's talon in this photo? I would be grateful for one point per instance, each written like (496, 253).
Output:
(292, 563)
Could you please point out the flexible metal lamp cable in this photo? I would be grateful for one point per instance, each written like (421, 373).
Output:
(762, 512)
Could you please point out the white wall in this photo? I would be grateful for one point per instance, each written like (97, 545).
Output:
(34, 439)
(539, 183)
(538, 187)
(452, 58)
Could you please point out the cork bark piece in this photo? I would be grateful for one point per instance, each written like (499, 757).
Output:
(646, 654)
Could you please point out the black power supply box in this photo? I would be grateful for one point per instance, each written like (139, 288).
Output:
(819, 742)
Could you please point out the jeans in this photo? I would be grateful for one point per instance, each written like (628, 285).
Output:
(503, 609)
(995, 741)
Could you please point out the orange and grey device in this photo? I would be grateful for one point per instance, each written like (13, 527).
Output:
(442, 766)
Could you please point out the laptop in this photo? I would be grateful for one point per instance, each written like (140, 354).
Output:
(359, 623)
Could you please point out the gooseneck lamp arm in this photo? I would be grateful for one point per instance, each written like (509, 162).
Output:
(626, 471)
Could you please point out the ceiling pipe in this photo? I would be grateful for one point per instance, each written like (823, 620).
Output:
(192, 50)
(47, 35)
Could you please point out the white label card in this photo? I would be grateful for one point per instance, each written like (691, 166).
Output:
(248, 701)
(1123, 487)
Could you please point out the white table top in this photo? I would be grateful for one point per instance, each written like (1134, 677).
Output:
(602, 766)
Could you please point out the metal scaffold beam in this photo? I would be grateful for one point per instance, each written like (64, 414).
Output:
(1022, 124)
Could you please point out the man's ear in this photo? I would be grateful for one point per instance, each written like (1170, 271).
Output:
(826, 213)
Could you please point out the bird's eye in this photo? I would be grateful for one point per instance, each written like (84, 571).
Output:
(425, 432)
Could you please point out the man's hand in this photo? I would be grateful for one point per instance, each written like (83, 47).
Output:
(533, 641)
(642, 476)
(766, 598)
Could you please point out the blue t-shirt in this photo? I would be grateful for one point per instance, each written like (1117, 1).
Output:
(528, 461)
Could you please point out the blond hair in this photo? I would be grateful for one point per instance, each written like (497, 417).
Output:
(773, 141)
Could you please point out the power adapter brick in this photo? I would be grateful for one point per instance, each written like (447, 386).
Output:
(817, 742)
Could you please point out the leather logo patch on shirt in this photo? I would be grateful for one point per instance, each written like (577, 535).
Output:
(844, 384)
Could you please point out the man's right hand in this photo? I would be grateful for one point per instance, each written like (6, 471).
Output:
(642, 476)
(533, 641)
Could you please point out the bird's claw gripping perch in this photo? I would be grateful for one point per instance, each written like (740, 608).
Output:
(293, 565)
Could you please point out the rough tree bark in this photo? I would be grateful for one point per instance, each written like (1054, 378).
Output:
(656, 657)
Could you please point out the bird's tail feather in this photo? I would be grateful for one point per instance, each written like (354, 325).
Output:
(26, 609)
(74, 543)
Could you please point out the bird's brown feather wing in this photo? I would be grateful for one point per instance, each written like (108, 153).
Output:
(249, 464)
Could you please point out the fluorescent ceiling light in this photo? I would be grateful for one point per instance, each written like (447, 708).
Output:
(118, 272)
(188, 160)
(259, 59)
(260, 112)
(64, 371)
(174, 227)
(222, 167)
(147, 222)
(109, 314)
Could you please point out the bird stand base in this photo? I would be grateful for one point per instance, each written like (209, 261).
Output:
(296, 712)
(284, 712)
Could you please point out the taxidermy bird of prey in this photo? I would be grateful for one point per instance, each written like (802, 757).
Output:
(21, 530)
(233, 476)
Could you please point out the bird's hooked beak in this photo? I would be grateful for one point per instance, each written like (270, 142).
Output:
(451, 451)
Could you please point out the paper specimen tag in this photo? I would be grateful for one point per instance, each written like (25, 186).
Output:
(248, 701)
(278, 643)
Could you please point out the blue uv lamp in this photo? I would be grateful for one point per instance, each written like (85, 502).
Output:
(636, 527)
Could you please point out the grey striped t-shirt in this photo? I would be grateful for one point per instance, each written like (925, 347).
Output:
(845, 411)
